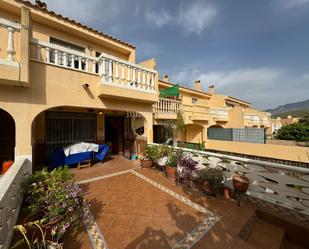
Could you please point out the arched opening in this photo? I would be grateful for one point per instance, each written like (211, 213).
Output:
(55, 128)
(215, 126)
(7, 137)
(194, 133)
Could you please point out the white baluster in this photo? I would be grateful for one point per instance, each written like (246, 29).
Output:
(47, 54)
(133, 76)
(80, 63)
(139, 78)
(129, 74)
(10, 49)
(117, 71)
(110, 71)
(56, 57)
(144, 79)
(38, 52)
(94, 66)
(148, 79)
(72, 61)
(65, 59)
(86, 65)
(152, 82)
(122, 73)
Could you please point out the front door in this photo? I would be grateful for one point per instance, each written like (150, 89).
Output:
(127, 139)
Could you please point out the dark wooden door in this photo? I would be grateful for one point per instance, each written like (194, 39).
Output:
(127, 138)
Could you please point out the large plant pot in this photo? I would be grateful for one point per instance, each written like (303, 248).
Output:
(241, 183)
(170, 173)
(208, 189)
(146, 164)
(6, 165)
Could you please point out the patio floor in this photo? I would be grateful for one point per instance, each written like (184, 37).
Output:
(135, 208)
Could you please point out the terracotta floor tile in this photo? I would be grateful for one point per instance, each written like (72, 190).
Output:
(116, 238)
(122, 222)
(141, 223)
(128, 210)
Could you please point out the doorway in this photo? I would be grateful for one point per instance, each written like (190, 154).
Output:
(118, 134)
(7, 137)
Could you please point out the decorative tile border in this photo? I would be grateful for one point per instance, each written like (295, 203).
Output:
(201, 229)
(105, 176)
(94, 233)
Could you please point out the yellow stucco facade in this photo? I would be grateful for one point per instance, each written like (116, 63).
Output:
(49, 63)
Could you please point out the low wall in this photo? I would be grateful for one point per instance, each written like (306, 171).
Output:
(280, 152)
(11, 198)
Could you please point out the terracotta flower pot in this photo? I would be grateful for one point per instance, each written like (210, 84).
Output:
(208, 189)
(170, 173)
(226, 193)
(146, 163)
(6, 165)
(241, 183)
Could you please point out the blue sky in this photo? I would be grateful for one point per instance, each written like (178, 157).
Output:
(256, 50)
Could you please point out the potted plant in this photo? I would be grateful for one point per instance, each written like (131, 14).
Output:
(170, 169)
(150, 156)
(240, 183)
(6, 165)
(163, 153)
(211, 180)
(55, 199)
(186, 170)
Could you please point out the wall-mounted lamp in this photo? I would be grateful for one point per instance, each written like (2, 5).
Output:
(86, 85)
(101, 113)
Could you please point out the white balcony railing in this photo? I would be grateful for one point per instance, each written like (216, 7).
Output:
(11, 28)
(112, 70)
(219, 113)
(279, 184)
(11, 198)
(167, 106)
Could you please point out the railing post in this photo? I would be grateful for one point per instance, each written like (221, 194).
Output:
(86, 65)
(80, 63)
(72, 61)
(133, 75)
(117, 71)
(93, 66)
(38, 52)
(65, 59)
(110, 72)
(47, 55)
(122, 73)
(56, 57)
(152, 82)
(10, 49)
(147, 80)
(129, 73)
(139, 78)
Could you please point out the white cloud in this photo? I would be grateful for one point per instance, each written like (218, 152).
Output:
(263, 87)
(305, 77)
(192, 18)
(159, 18)
(196, 17)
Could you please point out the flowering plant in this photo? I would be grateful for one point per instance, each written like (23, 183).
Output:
(186, 170)
(57, 199)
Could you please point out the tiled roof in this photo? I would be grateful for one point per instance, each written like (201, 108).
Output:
(28, 3)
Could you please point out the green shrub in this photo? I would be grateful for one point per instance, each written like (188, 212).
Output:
(213, 176)
(297, 132)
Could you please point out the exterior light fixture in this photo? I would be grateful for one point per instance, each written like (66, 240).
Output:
(86, 85)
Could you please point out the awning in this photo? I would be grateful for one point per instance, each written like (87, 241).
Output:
(169, 92)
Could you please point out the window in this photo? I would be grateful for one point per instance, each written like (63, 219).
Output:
(194, 100)
(68, 46)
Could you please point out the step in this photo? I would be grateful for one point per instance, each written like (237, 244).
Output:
(265, 235)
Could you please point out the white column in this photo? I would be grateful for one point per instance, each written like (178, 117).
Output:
(102, 69)
(152, 82)
(80, 63)
(110, 73)
(86, 65)
(47, 54)
(10, 49)
(117, 71)
(129, 74)
(72, 61)
(144, 79)
(38, 52)
(65, 59)
(122, 73)
(133, 75)
(148, 81)
(93, 66)
(138, 77)
(56, 57)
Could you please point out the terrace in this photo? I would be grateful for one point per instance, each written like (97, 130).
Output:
(132, 207)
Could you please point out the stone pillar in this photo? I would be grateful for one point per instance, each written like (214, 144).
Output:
(148, 126)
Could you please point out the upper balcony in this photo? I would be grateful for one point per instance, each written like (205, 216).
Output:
(117, 78)
(9, 53)
(219, 114)
(167, 108)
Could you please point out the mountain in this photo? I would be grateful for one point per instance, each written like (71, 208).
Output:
(297, 109)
